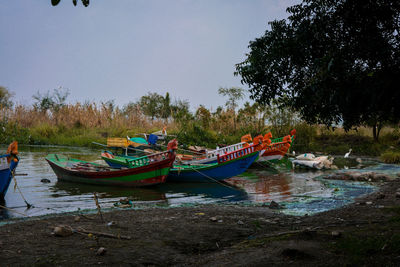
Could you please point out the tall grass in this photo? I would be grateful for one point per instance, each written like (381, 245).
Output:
(391, 157)
(77, 124)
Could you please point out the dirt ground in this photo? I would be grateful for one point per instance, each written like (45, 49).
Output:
(366, 233)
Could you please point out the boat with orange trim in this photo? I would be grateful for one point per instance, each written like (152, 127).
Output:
(8, 164)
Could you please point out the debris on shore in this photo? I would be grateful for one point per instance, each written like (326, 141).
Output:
(360, 176)
(309, 160)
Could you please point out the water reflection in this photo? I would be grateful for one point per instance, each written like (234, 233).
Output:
(178, 193)
(265, 187)
(282, 186)
(142, 194)
(302, 191)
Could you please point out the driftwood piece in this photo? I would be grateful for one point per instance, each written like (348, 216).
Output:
(85, 216)
(85, 232)
(314, 229)
(81, 230)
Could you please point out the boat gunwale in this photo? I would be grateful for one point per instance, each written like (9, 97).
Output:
(208, 166)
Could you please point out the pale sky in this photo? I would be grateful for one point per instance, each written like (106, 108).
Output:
(121, 50)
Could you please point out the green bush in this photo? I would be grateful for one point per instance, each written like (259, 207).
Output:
(194, 134)
(305, 138)
(44, 131)
(391, 157)
(10, 131)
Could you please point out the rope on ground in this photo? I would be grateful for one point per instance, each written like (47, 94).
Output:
(39, 209)
(12, 210)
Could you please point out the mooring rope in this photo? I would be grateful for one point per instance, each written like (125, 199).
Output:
(28, 205)
(269, 165)
(12, 210)
(205, 175)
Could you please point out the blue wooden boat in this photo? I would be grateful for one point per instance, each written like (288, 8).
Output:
(8, 163)
(227, 166)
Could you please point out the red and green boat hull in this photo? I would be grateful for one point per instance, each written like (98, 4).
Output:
(151, 174)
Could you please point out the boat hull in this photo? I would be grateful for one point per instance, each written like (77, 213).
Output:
(274, 156)
(276, 151)
(6, 175)
(212, 172)
(133, 177)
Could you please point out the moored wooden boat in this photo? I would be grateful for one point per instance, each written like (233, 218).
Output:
(275, 149)
(210, 156)
(270, 149)
(8, 164)
(142, 171)
(227, 165)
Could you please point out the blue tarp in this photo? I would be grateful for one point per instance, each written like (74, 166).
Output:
(152, 139)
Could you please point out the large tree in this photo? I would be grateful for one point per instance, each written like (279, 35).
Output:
(180, 111)
(336, 62)
(152, 105)
(5, 98)
(234, 94)
(203, 115)
(166, 107)
(75, 2)
(51, 101)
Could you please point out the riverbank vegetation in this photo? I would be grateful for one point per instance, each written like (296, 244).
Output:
(51, 121)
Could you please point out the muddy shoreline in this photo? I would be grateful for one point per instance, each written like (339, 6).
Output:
(366, 232)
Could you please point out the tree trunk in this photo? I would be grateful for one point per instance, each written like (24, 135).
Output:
(379, 126)
(376, 130)
(234, 121)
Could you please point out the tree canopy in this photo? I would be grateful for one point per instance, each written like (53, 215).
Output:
(5, 98)
(155, 105)
(75, 2)
(51, 101)
(335, 62)
(234, 94)
(152, 105)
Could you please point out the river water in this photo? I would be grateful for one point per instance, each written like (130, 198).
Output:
(301, 192)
